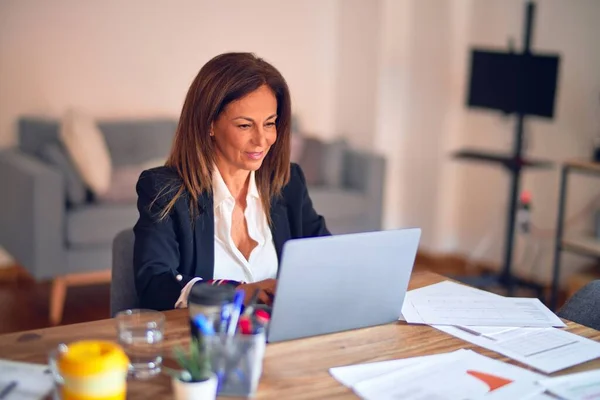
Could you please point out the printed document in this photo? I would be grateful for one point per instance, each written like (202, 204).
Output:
(459, 375)
(352, 374)
(546, 349)
(580, 386)
(33, 381)
(481, 311)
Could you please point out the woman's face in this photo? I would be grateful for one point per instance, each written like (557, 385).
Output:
(245, 131)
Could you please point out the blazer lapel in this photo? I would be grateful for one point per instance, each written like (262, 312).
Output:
(280, 227)
(204, 230)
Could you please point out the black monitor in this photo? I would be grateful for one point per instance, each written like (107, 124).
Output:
(513, 83)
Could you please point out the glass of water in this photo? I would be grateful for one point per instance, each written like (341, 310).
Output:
(141, 334)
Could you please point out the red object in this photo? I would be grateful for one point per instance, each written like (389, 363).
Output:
(262, 316)
(245, 326)
(494, 382)
(525, 197)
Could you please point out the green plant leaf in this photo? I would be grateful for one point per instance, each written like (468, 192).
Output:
(197, 362)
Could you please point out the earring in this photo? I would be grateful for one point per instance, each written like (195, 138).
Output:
(211, 134)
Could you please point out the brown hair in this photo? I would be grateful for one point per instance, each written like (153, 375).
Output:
(225, 78)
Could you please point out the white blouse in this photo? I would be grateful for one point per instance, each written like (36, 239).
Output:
(229, 262)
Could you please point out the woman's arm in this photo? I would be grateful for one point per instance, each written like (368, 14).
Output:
(156, 250)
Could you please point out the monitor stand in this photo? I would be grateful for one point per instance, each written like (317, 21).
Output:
(514, 163)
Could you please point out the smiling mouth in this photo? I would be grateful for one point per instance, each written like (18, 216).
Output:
(256, 155)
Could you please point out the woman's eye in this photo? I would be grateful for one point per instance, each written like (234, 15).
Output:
(270, 124)
(244, 126)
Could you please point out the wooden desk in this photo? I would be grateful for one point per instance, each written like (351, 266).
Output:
(295, 369)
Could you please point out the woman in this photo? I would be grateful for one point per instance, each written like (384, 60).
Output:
(227, 199)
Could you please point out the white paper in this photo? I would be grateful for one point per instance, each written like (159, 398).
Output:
(529, 343)
(546, 349)
(34, 381)
(443, 290)
(521, 390)
(483, 311)
(580, 386)
(489, 331)
(548, 356)
(446, 291)
(539, 396)
(352, 374)
(454, 377)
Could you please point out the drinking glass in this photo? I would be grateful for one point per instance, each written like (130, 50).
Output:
(140, 333)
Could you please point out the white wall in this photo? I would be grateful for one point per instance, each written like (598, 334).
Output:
(137, 58)
(570, 29)
(356, 73)
(422, 120)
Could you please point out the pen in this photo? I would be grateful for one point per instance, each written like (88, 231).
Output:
(9, 388)
(203, 325)
(225, 316)
(238, 300)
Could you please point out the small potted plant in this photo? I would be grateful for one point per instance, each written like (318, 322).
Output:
(196, 379)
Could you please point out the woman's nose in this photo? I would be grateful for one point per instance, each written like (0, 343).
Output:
(260, 137)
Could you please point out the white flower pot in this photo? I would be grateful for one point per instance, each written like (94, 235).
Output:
(206, 390)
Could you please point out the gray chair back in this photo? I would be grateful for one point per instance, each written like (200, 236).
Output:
(123, 295)
(583, 308)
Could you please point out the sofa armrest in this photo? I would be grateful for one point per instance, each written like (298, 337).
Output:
(32, 212)
(365, 172)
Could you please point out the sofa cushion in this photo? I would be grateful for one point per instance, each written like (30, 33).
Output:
(97, 224)
(124, 180)
(337, 203)
(311, 160)
(332, 166)
(54, 154)
(133, 142)
(87, 148)
(130, 141)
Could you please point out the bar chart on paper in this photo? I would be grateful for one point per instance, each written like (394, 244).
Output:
(457, 375)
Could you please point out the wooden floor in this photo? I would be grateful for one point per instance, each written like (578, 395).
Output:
(24, 303)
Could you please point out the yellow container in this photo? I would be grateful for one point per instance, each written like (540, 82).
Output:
(93, 370)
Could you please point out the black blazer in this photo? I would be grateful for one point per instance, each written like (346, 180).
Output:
(175, 246)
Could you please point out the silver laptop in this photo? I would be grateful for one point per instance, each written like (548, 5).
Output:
(336, 283)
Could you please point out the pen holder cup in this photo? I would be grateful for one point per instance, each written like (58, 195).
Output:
(237, 362)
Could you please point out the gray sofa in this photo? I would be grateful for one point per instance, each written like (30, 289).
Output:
(53, 232)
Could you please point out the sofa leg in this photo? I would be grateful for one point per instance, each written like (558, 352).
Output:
(57, 299)
(61, 283)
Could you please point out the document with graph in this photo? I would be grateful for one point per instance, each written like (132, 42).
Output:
(464, 375)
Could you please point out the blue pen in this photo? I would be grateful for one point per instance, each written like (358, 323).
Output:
(236, 310)
(205, 328)
(225, 316)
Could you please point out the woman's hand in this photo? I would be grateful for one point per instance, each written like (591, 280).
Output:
(266, 291)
